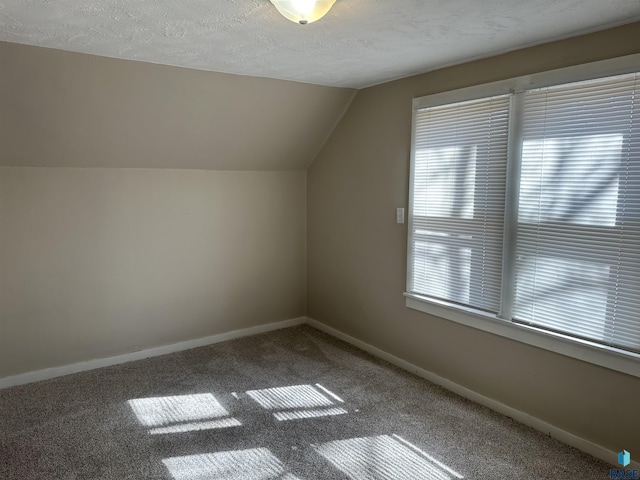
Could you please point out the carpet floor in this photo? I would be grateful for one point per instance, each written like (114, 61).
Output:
(293, 404)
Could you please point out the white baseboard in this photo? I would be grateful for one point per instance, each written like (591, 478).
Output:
(568, 438)
(48, 373)
(562, 435)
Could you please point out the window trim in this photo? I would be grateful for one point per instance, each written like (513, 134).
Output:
(591, 352)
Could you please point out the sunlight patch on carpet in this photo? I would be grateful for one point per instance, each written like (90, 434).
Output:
(182, 413)
(383, 457)
(298, 402)
(252, 464)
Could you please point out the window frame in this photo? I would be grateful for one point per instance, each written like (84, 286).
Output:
(591, 352)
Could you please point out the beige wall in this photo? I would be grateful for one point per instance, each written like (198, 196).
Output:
(64, 109)
(190, 222)
(357, 256)
(96, 262)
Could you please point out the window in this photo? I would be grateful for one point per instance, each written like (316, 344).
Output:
(525, 211)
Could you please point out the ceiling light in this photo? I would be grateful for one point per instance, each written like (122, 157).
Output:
(303, 11)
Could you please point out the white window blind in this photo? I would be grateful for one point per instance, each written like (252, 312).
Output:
(559, 168)
(578, 247)
(458, 201)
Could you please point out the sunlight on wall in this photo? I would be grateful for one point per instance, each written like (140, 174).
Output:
(383, 458)
(298, 401)
(253, 464)
(182, 413)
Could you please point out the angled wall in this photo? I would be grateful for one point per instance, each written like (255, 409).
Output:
(357, 256)
(143, 205)
(64, 109)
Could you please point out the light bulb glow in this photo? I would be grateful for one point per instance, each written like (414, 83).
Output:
(305, 7)
(303, 11)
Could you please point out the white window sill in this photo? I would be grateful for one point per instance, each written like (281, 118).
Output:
(621, 361)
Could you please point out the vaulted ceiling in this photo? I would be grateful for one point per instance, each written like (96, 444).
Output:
(359, 43)
(259, 93)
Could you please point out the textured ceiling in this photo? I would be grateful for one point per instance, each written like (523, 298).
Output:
(359, 43)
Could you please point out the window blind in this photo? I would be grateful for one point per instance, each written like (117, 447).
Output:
(459, 181)
(578, 240)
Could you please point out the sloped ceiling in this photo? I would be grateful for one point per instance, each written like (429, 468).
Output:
(359, 43)
(63, 109)
(285, 88)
